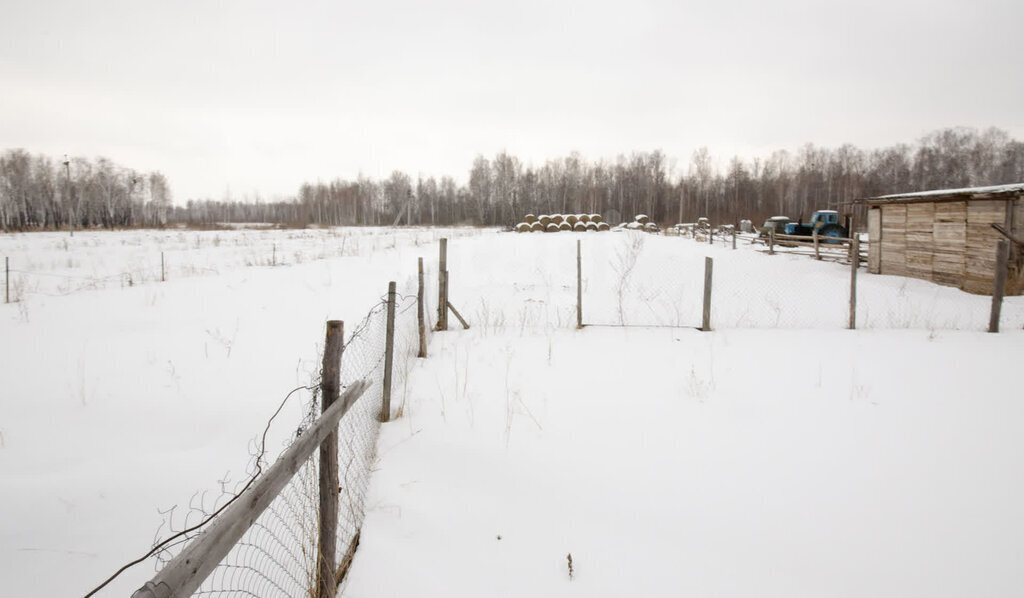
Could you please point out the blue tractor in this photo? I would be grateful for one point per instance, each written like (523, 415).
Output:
(826, 222)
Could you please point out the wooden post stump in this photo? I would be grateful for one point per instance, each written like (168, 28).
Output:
(389, 355)
(999, 284)
(708, 265)
(854, 264)
(421, 318)
(579, 284)
(330, 385)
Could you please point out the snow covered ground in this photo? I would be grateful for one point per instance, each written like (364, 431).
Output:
(778, 455)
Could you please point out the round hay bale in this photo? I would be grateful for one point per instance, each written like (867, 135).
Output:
(522, 227)
(529, 219)
(596, 218)
(580, 227)
(544, 220)
(584, 217)
(651, 227)
(603, 226)
(557, 218)
(536, 227)
(591, 225)
(551, 228)
(635, 226)
(642, 219)
(572, 219)
(564, 226)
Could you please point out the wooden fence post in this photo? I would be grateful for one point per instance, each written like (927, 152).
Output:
(442, 286)
(771, 241)
(420, 312)
(163, 269)
(734, 238)
(711, 235)
(389, 355)
(579, 284)
(708, 264)
(999, 284)
(7, 279)
(330, 385)
(817, 253)
(854, 264)
(273, 259)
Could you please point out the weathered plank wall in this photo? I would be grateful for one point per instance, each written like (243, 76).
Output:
(949, 240)
(875, 240)
(982, 241)
(894, 240)
(920, 222)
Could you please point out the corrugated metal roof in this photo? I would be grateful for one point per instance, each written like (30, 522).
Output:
(967, 193)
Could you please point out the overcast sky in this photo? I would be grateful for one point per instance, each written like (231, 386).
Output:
(261, 96)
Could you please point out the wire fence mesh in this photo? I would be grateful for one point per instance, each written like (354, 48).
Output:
(277, 555)
(637, 279)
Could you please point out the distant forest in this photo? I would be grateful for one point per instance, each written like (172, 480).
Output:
(40, 193)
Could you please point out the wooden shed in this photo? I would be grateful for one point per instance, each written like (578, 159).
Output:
(947, 236)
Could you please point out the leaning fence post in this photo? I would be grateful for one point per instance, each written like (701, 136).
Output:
(854, 264)
(442, 286)
(420, 312)
(999, 284)
(330, 384)
(389, 355)
(579, 285)
(708, 264)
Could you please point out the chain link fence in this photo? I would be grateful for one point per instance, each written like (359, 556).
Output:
(636, 279)
(277, 554)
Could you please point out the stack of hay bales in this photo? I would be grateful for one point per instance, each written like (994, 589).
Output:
(641, 222)
(553, 223)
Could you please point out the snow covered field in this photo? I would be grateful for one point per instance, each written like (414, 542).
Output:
(779, 455)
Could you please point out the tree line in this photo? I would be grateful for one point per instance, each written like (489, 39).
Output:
(501, 190)
(40, 193)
